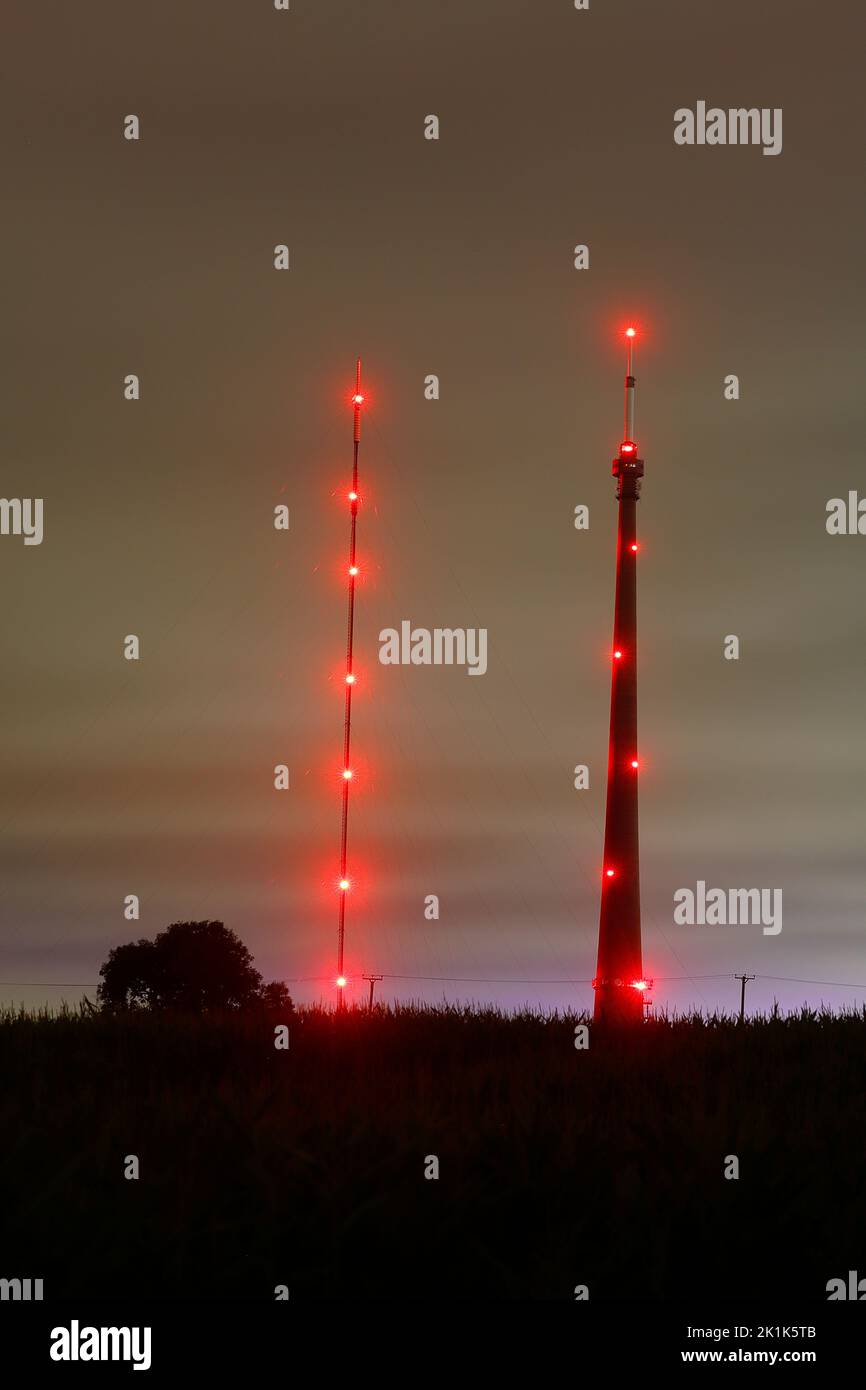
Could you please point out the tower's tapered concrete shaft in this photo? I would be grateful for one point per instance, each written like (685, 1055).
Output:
(619, 984)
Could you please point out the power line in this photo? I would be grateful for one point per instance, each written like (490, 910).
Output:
(465, 980)
(795, 980)
(479, 980)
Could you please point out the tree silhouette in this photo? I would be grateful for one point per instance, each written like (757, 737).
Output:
(275, 995)
(128, 976)
(193, 966)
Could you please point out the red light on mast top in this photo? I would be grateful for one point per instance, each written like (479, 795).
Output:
(629, 332)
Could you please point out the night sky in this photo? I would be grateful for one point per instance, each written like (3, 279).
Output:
(452, 257)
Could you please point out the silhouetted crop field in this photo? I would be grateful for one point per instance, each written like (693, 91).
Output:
(306, 1167)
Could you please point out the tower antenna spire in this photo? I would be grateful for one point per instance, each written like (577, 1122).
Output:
(629, 385)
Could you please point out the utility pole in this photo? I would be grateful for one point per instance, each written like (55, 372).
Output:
(372, 979)
(647, 1001)
(743, 979)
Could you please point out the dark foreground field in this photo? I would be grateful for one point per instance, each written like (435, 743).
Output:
(557, 1167)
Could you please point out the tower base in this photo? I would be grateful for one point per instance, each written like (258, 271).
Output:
(617, 1003)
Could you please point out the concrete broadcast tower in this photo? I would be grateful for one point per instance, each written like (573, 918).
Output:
(619, 984)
